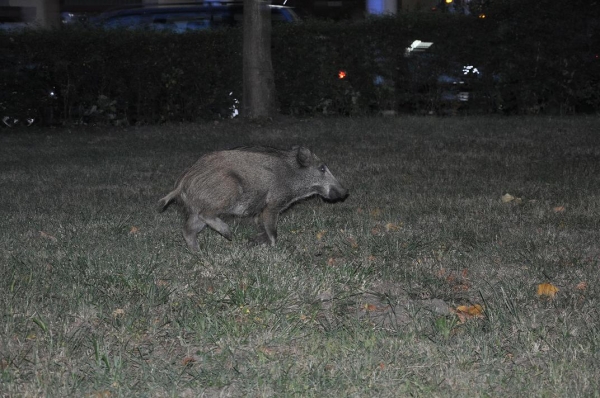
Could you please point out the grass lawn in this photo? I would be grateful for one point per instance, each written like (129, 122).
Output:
(99, 296)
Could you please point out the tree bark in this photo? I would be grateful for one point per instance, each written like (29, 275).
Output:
(258, 79)
(49, 13)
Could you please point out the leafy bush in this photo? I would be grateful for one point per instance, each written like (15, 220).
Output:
(145, 76)
(527, 65)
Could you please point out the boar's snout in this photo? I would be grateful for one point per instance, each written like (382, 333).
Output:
(337, 193)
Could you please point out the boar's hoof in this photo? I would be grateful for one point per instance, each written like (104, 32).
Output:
(261, 239)
(192, 243)
(218, 225)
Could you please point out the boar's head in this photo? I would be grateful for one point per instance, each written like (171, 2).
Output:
(316, 174)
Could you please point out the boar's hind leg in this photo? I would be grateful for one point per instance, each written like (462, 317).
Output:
(193, 225)
(219, 225)
(267, 225)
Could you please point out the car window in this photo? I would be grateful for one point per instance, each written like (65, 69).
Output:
(181, 21)
(277, 15)
(124, 21)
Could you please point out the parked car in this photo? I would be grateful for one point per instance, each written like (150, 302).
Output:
(183, 17)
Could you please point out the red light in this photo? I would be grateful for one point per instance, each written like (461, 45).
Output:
(342, 74)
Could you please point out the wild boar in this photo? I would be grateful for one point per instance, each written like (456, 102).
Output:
(249, 181)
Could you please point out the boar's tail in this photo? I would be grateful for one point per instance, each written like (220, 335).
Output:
(164, 202)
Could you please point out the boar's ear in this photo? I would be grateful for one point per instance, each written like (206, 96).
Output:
(304, 156)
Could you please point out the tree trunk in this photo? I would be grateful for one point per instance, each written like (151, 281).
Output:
(259, 83)
(48, 13)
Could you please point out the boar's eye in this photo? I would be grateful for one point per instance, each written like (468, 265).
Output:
(322, 168)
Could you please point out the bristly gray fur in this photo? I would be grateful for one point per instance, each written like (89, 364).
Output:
(249, 181)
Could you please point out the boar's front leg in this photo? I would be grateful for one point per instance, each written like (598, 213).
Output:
(267, 225)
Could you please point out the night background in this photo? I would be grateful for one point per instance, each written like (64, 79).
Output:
(464, 263)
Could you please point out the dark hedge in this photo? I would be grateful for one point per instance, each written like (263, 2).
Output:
(533, 57)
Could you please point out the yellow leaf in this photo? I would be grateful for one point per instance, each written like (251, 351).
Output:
(392, 227)
(321, 234)
(547, 289)
(471, 310)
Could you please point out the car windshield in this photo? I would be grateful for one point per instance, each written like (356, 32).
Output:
(183, 19)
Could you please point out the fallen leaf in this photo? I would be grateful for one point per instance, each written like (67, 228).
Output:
(581, 286)
(267, 351)
(321, 234)
(101, 394)
(462, 317)
(352, 242)
(559, 209)
(118, 312)
(391, 227)
(370, 307)
(188, 361)
(134, 230)
(381, 366)
(332, 261)
(463, 287)
(547, 289)
(470, 310)
(507, 198)
(48, 236)
(376, 212)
